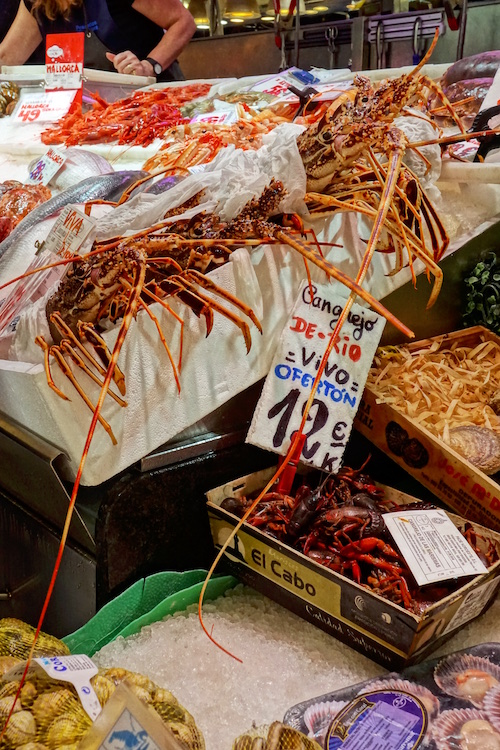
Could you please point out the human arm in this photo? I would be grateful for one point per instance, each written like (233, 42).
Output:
(179, 25)
(22, 38)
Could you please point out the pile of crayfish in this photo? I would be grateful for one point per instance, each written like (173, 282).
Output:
(340, 525)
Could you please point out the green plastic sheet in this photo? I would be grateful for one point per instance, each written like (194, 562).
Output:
(144, 603)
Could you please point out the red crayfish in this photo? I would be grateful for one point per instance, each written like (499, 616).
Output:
(340, 525)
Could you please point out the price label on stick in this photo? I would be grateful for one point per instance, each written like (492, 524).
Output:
(69, 232)
(47, 167)
(295, 366)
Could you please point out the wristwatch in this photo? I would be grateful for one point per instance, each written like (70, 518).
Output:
(157, 68)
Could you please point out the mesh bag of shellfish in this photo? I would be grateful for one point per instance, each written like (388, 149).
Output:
(16, 638)
(278, 736)
(451, 703)
(49, 712)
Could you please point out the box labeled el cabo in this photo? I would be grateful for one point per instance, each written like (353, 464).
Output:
(393, 633)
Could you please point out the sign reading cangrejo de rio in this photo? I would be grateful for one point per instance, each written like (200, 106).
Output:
(294, 368)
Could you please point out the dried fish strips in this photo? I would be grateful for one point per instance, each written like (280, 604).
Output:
(136, 120)
(441, 389)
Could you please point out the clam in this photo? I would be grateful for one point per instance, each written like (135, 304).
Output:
(103, 687)
(479, 445)
(20, 729)
(28, 693)
(140, 692)
(8, 688)
(6, 706)
(169, 712)
(67, 730)
(161, 695)
(7, 663)
(47, 706)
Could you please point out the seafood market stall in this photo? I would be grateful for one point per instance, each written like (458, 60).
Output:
(131, 373)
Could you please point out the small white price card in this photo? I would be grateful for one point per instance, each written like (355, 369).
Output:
(47, 167)
(294, 368)
(77, 670)
(41, 106)
(432, 546)
(69, 232)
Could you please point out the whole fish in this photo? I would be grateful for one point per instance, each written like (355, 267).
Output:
(101, 187)
(166, 183)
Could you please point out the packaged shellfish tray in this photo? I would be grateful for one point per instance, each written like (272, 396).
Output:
(433, 406)
(451, 703)
(360, 588)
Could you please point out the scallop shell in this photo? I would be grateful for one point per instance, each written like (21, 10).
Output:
(467, 677)
(494, 402)
(318, 717)
(492, 706)
(20, 729)
(430, 701)
(479, 445)
(465, 729)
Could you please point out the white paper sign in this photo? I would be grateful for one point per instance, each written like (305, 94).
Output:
(77, 670)
(41, 106)
(69, 232)
(432, 546)
(63, 75)
(492, 97)
(294, 368)
(47, 167)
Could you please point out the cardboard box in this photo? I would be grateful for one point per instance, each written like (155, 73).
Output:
(452, 478)
(387, 633)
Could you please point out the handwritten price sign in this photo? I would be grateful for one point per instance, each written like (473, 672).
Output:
(295, 366)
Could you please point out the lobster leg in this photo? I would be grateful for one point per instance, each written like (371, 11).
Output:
(56, 352)
(338, 275)
(207, 283)
(70, 350)
(183, 283)
(40, 341)
(131, 309)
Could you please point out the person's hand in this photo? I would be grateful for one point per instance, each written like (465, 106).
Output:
(129, 64)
